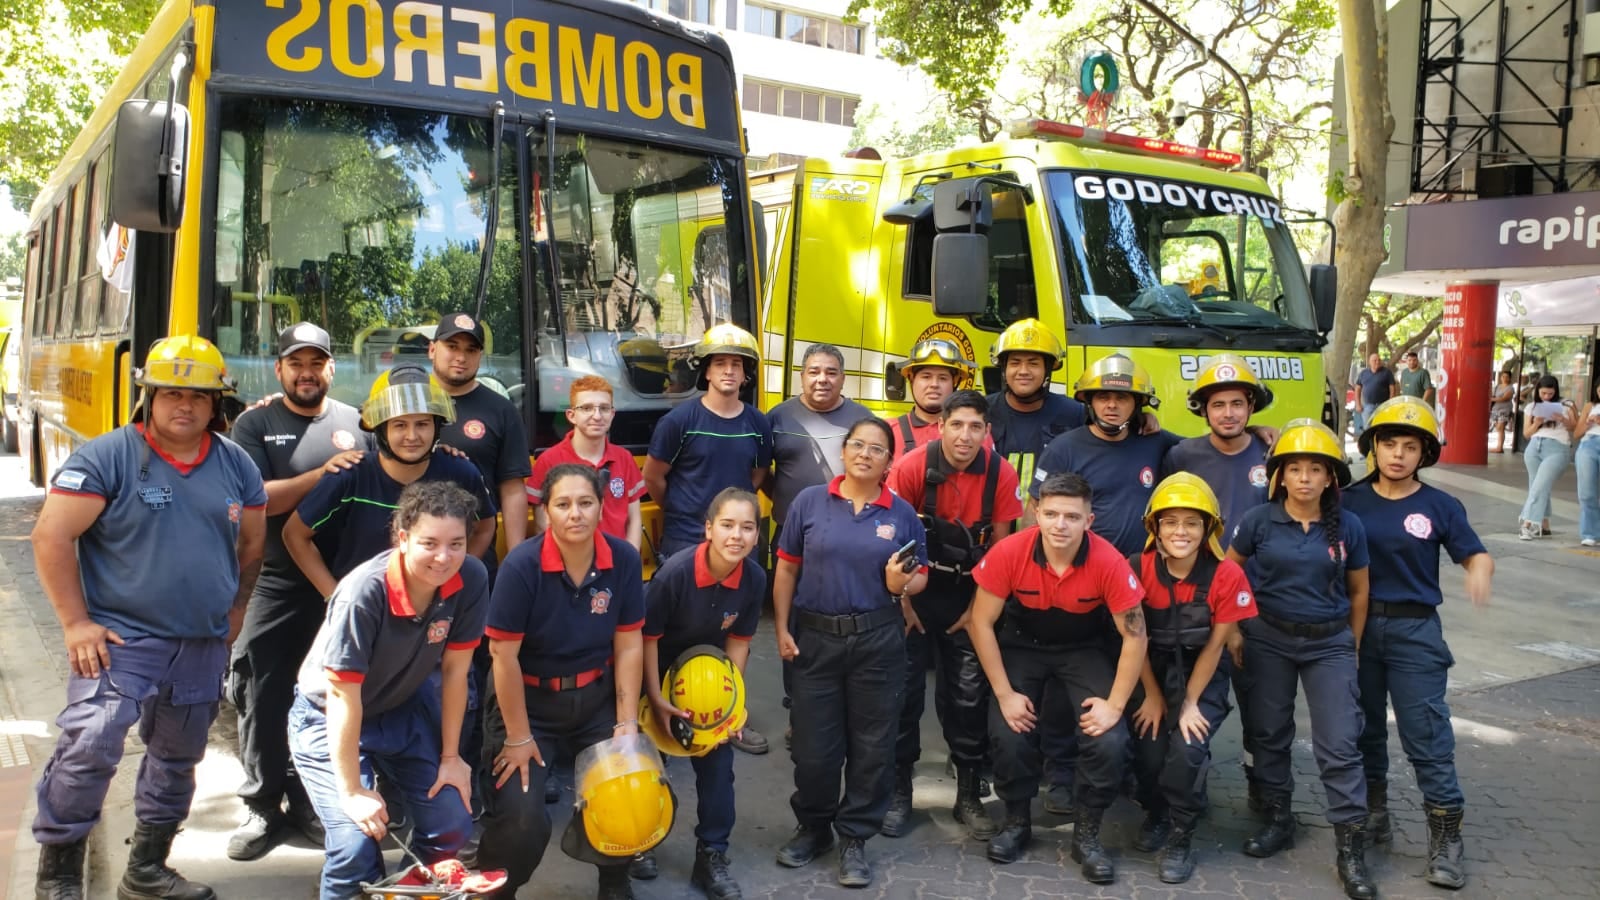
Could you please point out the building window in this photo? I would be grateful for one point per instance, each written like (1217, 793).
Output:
(799, 103)
(818, 31)
(693, 10)
(761, 20)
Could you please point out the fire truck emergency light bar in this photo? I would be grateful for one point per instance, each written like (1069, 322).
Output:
(1078, 134)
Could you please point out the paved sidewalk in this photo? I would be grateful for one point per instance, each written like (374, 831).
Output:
(1526, 700)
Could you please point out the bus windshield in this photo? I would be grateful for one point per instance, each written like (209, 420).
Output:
(371, 221)
(1139, 249)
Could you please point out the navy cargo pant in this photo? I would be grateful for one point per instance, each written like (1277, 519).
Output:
(1406, 660)
(278, 632)
(713, 787)
(1278, 661)
(516, 822)
(960, 691)
(1077, 673)
(847, 691)
(171, 687)
(401, 744)
(1172, 770)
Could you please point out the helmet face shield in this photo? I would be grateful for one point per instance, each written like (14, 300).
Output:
(407, 400)
(942, 354)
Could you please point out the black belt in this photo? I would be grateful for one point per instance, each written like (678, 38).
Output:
(1402, 610)
(844, 626)
(1305, 629)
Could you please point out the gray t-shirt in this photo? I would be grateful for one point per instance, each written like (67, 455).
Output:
(808, 447)
(1415, 384)
(283, 444)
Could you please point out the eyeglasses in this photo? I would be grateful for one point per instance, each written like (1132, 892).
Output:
(590, 409)
(876, 451)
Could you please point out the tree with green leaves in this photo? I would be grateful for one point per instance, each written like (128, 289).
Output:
(57, 57)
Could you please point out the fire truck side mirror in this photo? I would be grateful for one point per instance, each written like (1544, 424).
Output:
(960, 274)
(1324, 295)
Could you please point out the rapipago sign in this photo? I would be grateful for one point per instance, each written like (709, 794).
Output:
(1542, 230)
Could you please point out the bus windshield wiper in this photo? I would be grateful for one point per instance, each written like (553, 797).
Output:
(492, 220)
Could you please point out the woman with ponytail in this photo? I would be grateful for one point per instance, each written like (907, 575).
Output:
(1307, 563)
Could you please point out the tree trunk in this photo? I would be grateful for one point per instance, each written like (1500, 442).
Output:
(1364, 31)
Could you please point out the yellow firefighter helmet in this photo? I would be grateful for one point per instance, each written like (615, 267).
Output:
(1184, 490)
(1027, 336)
(1411, 415)
(1116, 373)
(1228, 371)
(1306, 437)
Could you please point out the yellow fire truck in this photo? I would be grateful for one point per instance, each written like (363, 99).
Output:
(1117, 243)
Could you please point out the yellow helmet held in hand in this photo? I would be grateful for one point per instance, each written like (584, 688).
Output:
(1027, 336)
(729, 339)
(1116, 373)
(1306, 437)
(1228, 371)
(184, 361)
(707, 685)
(1406, 414)
(938, 353)
(625, 805)
(1184, 490)
(406, 390)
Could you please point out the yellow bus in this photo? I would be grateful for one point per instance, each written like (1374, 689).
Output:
(371, 166)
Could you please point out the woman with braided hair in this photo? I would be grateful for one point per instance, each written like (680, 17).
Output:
(1307, 563)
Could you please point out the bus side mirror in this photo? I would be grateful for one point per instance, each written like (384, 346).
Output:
(1324, 295)
(147, 165)
(960, 274)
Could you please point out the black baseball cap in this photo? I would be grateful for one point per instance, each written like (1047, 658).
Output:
(302, 335)
(459, 323)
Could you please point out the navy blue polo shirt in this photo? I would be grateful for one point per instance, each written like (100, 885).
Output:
(357, 504)
(847, 549)
(1239, 480)
(686, 605)
(1295, 574)
(374, 636)
(1404, 537)
(565, 628)
(707, 453)
(1021, 436)
(1122, 474)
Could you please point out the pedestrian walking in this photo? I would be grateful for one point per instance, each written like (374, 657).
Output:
(1414, 380)
(1500, 412)
(1374, 385)
(1551, 422)
(1587, 434)
(1404, 657)
(365, 706)
(851, 557)
(1194, 600)
(146, 548)
(1308, 566)
(563, 629)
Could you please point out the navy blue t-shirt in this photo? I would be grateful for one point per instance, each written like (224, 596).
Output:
(1021, 436)
(846, 550)
(1375, 386)
(1122, 474)
(1404, 537)
(1239, 480)
(357, 504)
(685, 605)
(1295, 574)
(707, 453)
(566, 628)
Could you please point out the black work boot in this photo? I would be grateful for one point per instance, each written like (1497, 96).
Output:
(615, 883)
(148, 877)
(60, 875)
(1176, 860)
(897, 820)
(1153, 833)
(711, 874)
(1096, 863)
(1380, 828)
(969, 809)
(1350, 839)
(1277, 834)
(255, 835)
(1256, 795)
(1444, 847)
(854, 870)
(1007, 845)
(807, 844)
(643, 866)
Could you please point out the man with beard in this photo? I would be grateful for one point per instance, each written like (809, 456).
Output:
(934, 368)
(1232, 461)
(296, 439)
(487, 427)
